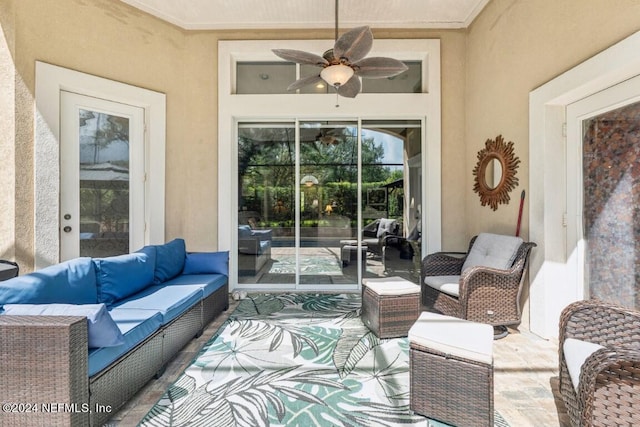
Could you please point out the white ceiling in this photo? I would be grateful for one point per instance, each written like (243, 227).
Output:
(303, 14)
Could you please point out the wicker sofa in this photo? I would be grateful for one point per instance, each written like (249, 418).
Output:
(51, 373)
(599, 355)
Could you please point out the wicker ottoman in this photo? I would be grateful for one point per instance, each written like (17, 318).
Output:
(390, 305)
(451, 370)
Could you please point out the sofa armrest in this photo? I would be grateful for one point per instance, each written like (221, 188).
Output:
(54, 350)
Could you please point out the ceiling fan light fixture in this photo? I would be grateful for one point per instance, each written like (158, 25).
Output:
(336, 75)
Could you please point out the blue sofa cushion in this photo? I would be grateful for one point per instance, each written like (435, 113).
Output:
(209, 283)
(136, 325)
(170, 301)
(122, 275)
(71, 282)
(103, 331)
(170, 259)
(207, 262)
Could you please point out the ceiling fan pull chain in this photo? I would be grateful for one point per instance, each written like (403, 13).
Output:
(337, 99)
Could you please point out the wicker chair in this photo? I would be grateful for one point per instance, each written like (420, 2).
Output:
(608, 389)
(480, 294)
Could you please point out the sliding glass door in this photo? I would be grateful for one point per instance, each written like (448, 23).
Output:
(324, 203)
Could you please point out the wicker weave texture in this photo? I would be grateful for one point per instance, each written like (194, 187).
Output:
(487, 295)
(215, 304)
(609, 390)
(45, 355)
(389, 316)
(450, 389)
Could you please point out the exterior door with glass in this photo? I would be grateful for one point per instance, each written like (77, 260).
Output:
(603, 141)
(102, 173)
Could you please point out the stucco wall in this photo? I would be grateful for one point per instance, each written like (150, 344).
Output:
(110, 39)
(513, 47)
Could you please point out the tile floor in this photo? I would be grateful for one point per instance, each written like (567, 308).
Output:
(525, 380)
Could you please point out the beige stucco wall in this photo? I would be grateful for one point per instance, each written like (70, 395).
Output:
(513, 47)
(110, 39)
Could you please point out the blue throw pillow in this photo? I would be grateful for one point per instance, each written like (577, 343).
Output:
(122, 275)
(170, 259)
(103, 331)
(72, 282)
(207, 263)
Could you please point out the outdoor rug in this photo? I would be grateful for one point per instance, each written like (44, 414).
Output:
(294, 360)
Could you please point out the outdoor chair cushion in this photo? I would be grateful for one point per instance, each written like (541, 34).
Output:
(493, 250)
(448, 284)
(576, 352)
(121, 276)
(102, 330)
(70, 282)
(170, 259)
(206, 263)
(209, 283)
(170, 301)
(136, 325)
(385, 227)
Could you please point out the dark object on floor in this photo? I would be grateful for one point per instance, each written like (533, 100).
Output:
(8, 269)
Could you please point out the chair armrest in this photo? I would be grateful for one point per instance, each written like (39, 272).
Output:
(443, 264)
(600, 323)
(610, 380)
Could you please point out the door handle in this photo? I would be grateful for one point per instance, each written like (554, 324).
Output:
(67, 229)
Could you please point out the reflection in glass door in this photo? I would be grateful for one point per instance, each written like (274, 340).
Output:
(102, 177)
(331, 205)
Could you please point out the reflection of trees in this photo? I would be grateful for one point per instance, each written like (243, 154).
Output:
(108, 129)
(266, 169)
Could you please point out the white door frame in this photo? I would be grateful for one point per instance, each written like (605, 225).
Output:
(50, 81)
(553, 263)
(233, 108)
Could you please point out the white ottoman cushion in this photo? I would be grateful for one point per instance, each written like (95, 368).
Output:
(391, 286)
(575, 354)
(453, 336)
(447, 284)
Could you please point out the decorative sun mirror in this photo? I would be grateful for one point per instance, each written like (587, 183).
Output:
(495, 172)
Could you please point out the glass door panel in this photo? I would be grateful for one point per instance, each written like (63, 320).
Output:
(328, 202)
(318, 205)
(611, 195)
(391, 197)
(266, 203)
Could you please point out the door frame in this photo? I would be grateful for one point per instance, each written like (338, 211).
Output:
(424, 106)
(50, 81)
(552, 266)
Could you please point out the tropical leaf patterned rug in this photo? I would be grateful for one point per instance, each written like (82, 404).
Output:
(294, 360)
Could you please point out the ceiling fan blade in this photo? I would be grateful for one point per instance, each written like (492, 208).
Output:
(301, 57)
(304, 81)
(379, 67)
(351, 88)
(354, 44)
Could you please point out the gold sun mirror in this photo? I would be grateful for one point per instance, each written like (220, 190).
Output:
(495, 172)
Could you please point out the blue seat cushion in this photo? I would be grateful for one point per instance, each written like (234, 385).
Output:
(102, 330)
(70, 282)
(136, 325)
(170, 301)
(207, 262)
(170, 259)
(209, 283)
(121, 276)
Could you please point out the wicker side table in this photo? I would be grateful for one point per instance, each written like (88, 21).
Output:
(390, 306)
(451, 370)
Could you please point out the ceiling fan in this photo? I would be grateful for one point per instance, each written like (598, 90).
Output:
(343, 65)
